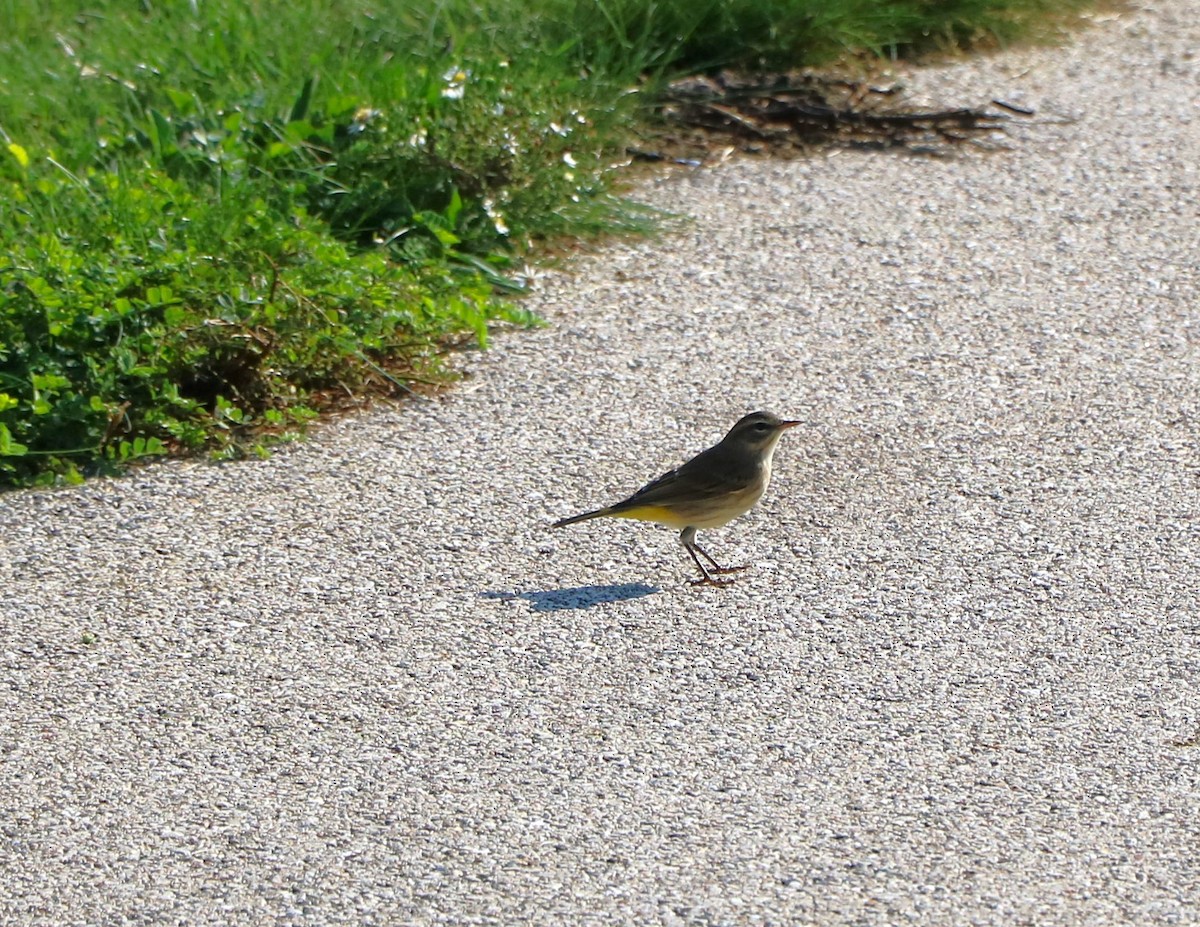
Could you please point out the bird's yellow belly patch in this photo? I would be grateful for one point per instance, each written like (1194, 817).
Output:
(658, 513)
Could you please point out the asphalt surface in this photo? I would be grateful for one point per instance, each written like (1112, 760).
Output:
(364, 682)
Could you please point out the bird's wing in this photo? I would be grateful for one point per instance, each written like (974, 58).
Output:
(703, 482)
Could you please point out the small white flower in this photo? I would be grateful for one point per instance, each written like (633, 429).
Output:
(456, 83)
(568, 160)
(497, 217)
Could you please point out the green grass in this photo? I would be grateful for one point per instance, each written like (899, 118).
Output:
(221, 216)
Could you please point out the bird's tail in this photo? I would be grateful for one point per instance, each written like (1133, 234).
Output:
(599, 513)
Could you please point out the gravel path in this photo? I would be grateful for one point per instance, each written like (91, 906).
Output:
(363, 683)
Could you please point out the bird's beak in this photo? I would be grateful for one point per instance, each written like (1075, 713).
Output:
(783, 425)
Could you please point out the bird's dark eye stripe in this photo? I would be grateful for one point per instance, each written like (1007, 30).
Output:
(762, 426)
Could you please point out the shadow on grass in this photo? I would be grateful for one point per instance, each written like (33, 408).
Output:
(576, 597)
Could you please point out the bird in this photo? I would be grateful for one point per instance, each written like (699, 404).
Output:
(711, 489)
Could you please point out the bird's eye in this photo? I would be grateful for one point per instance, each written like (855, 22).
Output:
(762, 426)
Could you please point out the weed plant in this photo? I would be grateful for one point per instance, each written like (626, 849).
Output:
(219, 216)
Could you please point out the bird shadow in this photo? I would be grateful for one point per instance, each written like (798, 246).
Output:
(575, 597)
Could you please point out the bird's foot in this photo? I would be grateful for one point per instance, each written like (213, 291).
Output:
(731, 569)
(709, 581)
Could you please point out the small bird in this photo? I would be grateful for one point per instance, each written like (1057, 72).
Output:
(714, 487)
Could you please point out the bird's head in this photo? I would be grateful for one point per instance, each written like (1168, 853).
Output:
(758, 432)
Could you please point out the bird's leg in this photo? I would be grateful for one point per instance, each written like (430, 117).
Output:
(716, 567)
(687, 538)
(709, 579)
